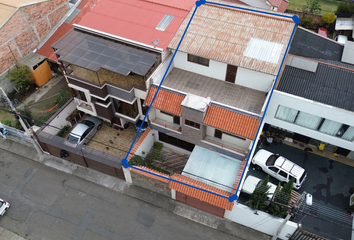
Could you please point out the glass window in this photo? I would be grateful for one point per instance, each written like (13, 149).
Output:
(349, 134)
(274, 169)
(286, 114)
(192, 124)
(308, 120)
(330, 127)
(198, 60)
(130, 110)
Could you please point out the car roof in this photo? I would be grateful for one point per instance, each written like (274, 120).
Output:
(79, 129)
(289, 166)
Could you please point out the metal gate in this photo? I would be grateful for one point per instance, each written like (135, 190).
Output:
(301, 234)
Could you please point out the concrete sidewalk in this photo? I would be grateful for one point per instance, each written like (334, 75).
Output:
(123, 187)
(7, 235)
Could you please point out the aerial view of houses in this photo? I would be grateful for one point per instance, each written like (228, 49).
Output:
(234, 114)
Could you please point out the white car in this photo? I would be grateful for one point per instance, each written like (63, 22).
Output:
(3, 207)
(279, 167)
(251, 183)
(83, 131)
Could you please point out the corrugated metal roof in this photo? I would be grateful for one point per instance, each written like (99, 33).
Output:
(231, 122)
(329, 85)
(136, 20)
(311, 45)
(222, 34)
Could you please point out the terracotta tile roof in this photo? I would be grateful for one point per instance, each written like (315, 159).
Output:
(199, 194)
(165, 101)
(231, 122)
(151, 175)
(281, 4)
(223, 34)
(239, 175)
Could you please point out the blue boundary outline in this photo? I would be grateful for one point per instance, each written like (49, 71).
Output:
(199, 3)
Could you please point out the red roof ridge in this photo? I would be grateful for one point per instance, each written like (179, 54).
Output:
(137, 145)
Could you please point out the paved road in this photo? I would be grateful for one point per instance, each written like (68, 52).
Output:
(49, 204)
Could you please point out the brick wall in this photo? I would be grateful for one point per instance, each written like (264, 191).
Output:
(150, 183)
(26, 28)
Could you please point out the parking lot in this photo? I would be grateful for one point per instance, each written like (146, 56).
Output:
(328, 182)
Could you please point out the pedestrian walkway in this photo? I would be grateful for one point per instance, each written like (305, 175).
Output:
(8, 235)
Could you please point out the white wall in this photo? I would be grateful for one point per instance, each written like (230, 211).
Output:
(227, 138)
(215, 70)
(60, 120)
(315, 108)
(254, 80)
(261, 221)
(146, 145)
(158, 74)
(163, 116)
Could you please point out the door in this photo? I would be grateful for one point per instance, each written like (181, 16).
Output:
(231, 73)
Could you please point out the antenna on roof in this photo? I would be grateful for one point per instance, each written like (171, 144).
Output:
(156, 42)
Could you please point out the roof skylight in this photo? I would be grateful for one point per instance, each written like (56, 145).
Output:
(164, 22)
(263, 50)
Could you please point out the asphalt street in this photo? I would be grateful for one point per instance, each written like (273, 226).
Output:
(50, 204)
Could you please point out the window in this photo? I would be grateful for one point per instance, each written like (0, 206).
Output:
(143, 108)
(217, 133)
(308, 120)
(283, 174)
(274, 169)
(129, 110)
(198, 60)
(192, 124)
(330, 127)
(286, 114)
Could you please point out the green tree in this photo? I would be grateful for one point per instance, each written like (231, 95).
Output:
(328, 18)
(259, 196)
(312, 6)
(345, 7)
(21, 77)
(282, 199)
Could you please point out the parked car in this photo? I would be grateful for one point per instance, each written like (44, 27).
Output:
(279, 167)
(341, 39)
(84, 131)
(322, 32)
(3, 207)
(251, 183)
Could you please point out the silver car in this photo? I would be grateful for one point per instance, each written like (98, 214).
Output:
(84, 131)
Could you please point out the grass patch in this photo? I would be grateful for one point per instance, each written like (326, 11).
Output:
(327, 6)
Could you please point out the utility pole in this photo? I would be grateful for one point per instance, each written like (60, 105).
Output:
(35, 143)
(290, 214)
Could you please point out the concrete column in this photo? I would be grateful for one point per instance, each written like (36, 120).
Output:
(127, 175)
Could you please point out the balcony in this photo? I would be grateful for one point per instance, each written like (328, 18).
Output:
(225, 145)
(168, 125)
(222, 92)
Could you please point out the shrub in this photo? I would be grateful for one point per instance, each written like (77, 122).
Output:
(328, 18)
(7, 123)
(345, 7)
(259, 195)
(157, 147)
(63, 131)
(282, 199)
(306, 22)
(21, 77)
(136, 160)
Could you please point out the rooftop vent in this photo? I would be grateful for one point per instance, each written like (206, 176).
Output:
(164, 22)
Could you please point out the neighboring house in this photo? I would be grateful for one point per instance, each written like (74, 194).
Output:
(278, 5)
(110, 55)
(212, 100)
(24, 24)
(315, 95)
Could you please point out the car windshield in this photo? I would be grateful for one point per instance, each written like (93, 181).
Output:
(271, 160)
(88, 123)
(302, 177)
(73, 138)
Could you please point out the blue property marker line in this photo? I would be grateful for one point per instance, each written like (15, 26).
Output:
(296, 20)
(170, 179)
(199, 3)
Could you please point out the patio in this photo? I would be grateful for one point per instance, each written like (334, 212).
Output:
(114, 140)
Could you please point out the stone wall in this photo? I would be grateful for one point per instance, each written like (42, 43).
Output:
(315, 18)
(151, 184)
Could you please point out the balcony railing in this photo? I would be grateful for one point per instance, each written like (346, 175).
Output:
(165, 124)
(223, 144)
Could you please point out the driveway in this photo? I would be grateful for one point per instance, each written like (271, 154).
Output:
(328, 182)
